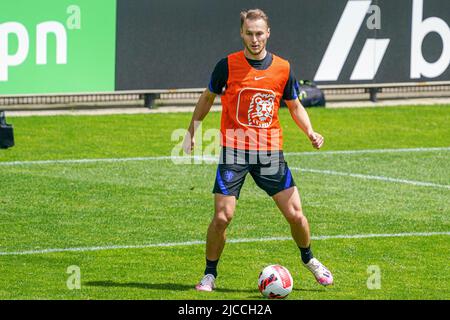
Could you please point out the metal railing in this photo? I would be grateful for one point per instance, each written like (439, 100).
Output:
(188, 97)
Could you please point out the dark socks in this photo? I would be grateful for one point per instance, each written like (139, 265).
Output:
(211, 267)
(306, 254)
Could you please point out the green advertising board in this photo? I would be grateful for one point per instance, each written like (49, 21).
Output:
(57, 46)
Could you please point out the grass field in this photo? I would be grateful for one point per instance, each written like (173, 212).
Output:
(135, 228)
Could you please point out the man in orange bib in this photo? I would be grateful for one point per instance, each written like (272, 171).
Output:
(251, 84)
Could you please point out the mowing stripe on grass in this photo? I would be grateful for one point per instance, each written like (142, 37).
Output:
(370, 177)
(211, 158)
(196, 242)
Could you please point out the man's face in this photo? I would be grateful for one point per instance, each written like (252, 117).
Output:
(255, 33)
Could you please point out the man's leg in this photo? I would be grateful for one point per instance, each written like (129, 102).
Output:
(216, 237)
(289, 203)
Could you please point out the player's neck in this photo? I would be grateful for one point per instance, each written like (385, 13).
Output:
(259, 56)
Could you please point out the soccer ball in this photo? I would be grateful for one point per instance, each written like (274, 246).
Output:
(275, 282)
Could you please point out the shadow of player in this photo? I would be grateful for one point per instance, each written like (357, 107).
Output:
(156, 286)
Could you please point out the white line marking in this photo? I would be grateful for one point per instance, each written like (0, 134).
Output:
(78, 161)
(248, 240)
(370, 177)
(364, 151)
(211, 158)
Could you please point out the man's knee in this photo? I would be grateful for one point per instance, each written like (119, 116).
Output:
(224, 214)
(221, 221)
(295, 217)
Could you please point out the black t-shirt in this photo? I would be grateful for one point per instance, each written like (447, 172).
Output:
(219, 77)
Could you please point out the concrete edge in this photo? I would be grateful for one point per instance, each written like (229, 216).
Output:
(133, 109)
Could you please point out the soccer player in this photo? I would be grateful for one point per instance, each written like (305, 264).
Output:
(251, 84)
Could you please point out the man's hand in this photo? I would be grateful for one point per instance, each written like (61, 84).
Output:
(202, 108)
(301, 118)
(316, 140)
(188, 143)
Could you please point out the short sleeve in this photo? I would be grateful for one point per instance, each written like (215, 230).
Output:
(291, 89)
(219, 77)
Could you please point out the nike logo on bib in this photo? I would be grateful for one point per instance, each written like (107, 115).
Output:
(259, 78)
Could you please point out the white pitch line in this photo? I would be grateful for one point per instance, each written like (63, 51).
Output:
(364, 151)
(180, 159)
(248, 240)
(370, 177)
(81, 161)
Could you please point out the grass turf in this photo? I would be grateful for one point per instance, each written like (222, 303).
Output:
(150, 202)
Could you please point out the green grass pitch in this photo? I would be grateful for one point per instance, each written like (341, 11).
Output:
(139, 225)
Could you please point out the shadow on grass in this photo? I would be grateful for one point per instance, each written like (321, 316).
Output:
(156, 286)
(258, 296)
(309, 290)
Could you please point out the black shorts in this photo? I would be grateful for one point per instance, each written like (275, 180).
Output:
(269, 170)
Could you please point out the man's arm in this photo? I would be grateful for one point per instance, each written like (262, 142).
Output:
(302, 120)
(202, 108)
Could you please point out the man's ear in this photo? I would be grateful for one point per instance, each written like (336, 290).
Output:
(268, 32)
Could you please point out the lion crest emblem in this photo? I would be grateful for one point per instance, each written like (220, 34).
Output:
(260, 112)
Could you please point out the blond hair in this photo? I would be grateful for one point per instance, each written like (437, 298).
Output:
(254, 14)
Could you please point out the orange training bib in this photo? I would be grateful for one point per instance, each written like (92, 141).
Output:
(251, 102)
